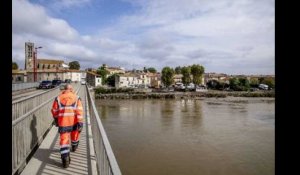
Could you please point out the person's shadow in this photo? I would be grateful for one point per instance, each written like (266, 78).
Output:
(41, 154)
(34, 137)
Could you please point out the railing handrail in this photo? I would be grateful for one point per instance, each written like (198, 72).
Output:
(110, 155)
(21, 85)
(16, 121)
(34, 95)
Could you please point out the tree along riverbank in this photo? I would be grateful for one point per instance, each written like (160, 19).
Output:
(183, 95)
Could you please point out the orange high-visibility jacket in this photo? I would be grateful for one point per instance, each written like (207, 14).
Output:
(67, 108)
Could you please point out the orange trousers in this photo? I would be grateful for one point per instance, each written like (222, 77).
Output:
(65, 141)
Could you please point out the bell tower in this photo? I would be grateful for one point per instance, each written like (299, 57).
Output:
(29, 55)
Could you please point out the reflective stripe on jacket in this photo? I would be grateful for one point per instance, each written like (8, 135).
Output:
(67, 107)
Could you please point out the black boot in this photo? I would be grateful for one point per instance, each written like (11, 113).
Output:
(74, 147)
(66, 161)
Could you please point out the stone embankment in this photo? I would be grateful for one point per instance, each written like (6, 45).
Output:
(183, 95)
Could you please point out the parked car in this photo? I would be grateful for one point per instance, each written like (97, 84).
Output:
(253, 89)
(56, 83)
(190, 86)
(228, 89)
(68, 81)
(171, 89)
(45, 85)
(263, 86)
(201, 88)
(62, 86)
(83, 82)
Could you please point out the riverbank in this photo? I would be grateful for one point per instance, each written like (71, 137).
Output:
(184, 95)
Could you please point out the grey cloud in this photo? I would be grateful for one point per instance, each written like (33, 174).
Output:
(212, 54)
(226, 36)
(102, 59)
(155, 46)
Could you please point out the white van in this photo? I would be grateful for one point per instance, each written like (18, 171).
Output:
(263, 86)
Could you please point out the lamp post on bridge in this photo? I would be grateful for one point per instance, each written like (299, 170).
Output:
(35, 63)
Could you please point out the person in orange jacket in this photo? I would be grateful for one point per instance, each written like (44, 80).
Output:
(68, 115)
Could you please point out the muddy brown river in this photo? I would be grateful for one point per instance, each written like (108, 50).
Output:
(234, 136)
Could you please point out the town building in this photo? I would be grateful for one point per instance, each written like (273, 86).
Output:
(51, 64)
(52, 74)
(215, 76)
(114, 70)
(177, 78)
(132, 80)
(19, 76)
(126, 80)
(155, 80)
(46, 69)
(29, 55)
(93, 79)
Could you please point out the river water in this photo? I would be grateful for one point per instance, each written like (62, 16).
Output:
(193, 137)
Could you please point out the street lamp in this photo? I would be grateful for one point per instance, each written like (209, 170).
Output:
(34, 62)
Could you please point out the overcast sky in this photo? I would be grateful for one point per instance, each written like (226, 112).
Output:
(225, 36)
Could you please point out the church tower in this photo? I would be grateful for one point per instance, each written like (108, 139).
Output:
(29, 54)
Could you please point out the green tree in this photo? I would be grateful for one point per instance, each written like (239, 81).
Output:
(167, 76)
(260, 80)
(186, 75)
(213, 84)
(234, 83)
(244, 84)
(74, 65)
(197, 72)
(178, 70)
(152, 70)
(111, 80)
(254, 82)
(103, 73)
(15, 66)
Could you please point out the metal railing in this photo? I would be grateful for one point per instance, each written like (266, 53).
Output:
(24, 105)
(105, 157)
(31, 121)
(21, 86)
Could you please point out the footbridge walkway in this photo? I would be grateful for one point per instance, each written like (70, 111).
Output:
(35, 140)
